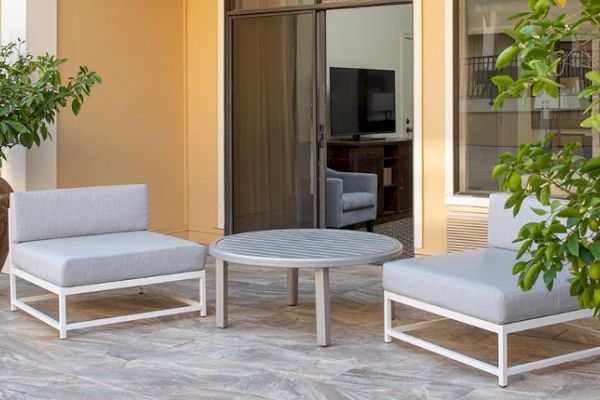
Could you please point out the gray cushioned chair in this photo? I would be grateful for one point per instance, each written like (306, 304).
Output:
(73, 241)
(477, 288)
(351, 199)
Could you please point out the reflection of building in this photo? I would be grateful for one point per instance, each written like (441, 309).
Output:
(484, 133)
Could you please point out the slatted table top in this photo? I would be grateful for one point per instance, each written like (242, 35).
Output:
(305, 248)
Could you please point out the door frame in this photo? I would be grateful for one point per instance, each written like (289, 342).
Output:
(224, 93)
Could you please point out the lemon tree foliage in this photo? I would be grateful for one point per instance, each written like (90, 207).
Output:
(568, 234)
(32, 93)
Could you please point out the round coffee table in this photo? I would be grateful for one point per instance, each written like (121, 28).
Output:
(319, 249)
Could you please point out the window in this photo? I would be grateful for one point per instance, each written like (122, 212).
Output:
(481, 133)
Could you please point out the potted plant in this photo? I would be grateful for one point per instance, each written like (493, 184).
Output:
(32, 92)
(568, 236)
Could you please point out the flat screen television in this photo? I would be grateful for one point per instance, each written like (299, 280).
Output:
(362, 101)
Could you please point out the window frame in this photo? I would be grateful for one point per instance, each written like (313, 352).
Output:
(452, 128)
(451, 10)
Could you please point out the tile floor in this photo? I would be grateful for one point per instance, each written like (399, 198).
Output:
(269, 351)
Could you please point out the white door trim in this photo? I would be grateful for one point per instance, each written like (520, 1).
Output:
(221, 115)
(418, 124)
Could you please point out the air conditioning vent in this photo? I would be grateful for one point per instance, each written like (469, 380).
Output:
(466, 230)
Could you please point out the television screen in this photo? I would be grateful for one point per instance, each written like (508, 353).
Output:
(362, 101)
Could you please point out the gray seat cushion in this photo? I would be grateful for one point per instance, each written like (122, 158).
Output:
(112, 257)
(357, 200)
(478, 283)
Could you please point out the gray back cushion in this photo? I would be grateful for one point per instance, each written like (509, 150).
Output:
(51, 214)
(503, 228)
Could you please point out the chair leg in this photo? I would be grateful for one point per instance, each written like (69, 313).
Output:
(502, 358)
(202, 284)
(62, 315)
(387, 318)
(369, 225)
(13, 291)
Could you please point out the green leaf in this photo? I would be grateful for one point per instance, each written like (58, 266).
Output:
(591, 165)
(518, 15)
(507, 56)
(592, 122)
(518, 267)
(502, 81)
(576, 288)
(528, 31)
(586, 255)
(532, 275)
(573, 245)
(594, 248)
(544, 196)
(552, 90)
(499, 170)
(539, 211)
(589, 91)
(17, 126)
(76, 106)
(572, 221)
(549, 277)
(568, 212)
(593, 76)
(499, 100)
(558, 228)
(554, 205)
(524, 247)
(517, 206)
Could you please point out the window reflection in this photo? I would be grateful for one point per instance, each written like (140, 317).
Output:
(484, 133)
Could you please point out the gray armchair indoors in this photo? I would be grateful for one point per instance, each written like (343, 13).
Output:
(351, 199)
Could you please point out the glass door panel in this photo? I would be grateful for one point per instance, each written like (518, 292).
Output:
(272, 122)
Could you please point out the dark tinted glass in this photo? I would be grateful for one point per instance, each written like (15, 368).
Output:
(272, 122)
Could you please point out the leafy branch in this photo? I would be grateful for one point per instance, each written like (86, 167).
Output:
(32, 93)
(568, 233)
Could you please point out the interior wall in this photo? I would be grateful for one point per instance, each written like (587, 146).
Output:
(131, 130)
(202, 120)
(434, 207)
(370, 38)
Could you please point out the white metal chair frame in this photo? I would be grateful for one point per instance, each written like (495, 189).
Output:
(62, 324)
(502, 370)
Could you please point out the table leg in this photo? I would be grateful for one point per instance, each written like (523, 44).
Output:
(322, 303)
(292, 286)
(221, 293)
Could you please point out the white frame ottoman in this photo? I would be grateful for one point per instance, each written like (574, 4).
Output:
(84, 240)
(477, 288)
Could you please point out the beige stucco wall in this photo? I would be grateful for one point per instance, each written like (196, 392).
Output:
(132, 128)
(434, 208)
(154, 120)
(202, 117)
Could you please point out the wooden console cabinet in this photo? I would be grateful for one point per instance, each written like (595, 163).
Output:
(376, 156)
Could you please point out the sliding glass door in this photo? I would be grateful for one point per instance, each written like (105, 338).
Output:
(273, 147)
